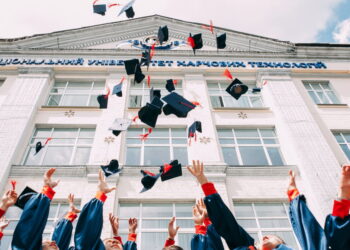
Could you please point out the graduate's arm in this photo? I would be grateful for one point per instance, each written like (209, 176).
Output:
(131, 243)
(172, 232)
(7, 200)
(30, 227)
(199, 240)
(3, 224)
(87, 236)
(219, 214)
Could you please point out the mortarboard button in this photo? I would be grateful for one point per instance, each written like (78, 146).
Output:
(221, 41)
(129, 11)
(117, 90)
(100, 9)
(24, 197)
(120, 125)
(236, 89)
(256, 90)
(103, 101)
(177, 105)
(163, 34)
(149, 113)
(111, 168)
(153, 93)
(148, 180)
(170, 171)
(170, 86)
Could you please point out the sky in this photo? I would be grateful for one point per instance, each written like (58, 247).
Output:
(298, 21)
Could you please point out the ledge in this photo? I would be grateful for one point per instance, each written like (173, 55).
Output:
(242, 108)
(342, 105)
(91, 108)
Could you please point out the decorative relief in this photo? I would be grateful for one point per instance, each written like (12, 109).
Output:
(69, 113)
(109, 139)
(242, 115)
(204, 140)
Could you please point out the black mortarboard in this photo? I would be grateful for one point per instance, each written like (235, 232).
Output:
(170, 171)
(196, 42)
(111, 168)
(163, 34)
(221, 41)
(139, 76)
(170, 86)
(256, 90)
(24, 197)
(38, 147)
(133, 67)
(153, 93)
(146, 58)
(100, 9)
(177, 105)
(149, 113)
(196, 126)
(148, 180)
(129, 11)
(103, 101)
(117, 90)
(236, 89)
(120, 125)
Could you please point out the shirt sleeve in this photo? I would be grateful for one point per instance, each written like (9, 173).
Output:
(223, 220)
(305, 226)
(169, 242)
(31, 225)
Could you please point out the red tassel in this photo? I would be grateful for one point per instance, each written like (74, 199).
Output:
(210, 28)
(187, 105)
(95, 2)
(149, 81)
(13, 183)
(167, 168)
(135, 118)
(145, 136)
(108, 92)
(149, 173)
(153, 50)
(122, 80)
(265, 82)
(175, 82)
(47, 140)
(113, 4)
(190, 41)
(227, 73)
(196, 104)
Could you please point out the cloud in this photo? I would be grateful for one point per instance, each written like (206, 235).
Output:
(341, 33)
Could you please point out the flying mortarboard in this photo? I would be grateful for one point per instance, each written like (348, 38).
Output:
(146, 58)
(170, 171)
(196, 126)
(120, 125)
(133, 67)
(117, 89)
(24, 197)
(129, 11)
(149, 113)
(170, 85)
(236, 89)
(195, 42)
(221, 41)
(39, 146)
(100, 9)
(163, 34)
(111, 168)
(153, 93)
(256, 90)
(177, 105)
(148, 180)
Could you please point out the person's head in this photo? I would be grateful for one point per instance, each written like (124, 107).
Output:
(269, 242)
(112, 244)
(49, 245)
(173, 247)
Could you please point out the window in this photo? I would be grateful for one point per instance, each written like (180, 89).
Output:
(343, 140)
(250, 146)
(220, 98)
(260, 219)
(71, 93)
(69, 146)
(321, 93)
(153, 219)
(13, 214)
(162, 145)
(140, 93)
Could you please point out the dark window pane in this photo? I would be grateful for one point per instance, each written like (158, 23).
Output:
(275, 156)
(230, 156)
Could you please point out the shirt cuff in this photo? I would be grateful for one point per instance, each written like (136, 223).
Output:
(48, 191)
(71, 216)
(101, 196)
(169, 242)
(207, 222)
(208, 189)
(132, 237)
(2, 212)
(200, 229)
(1, 234)
(293, 193)
(341, 208)
(118, 238)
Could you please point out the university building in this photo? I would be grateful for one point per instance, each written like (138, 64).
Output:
(300, 119)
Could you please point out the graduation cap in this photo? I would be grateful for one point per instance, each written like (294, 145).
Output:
(256, 90)
(170, 85)
(149, 113)
(129, 11)
(148, 180)
(120, 125)
(196, 126)
(103, 101)
(170, 171)
(111, 168)
(100, 9)
(221, 41)
(177, 105)
(133, 67)
(195, 42)
(163, 34)
(24, 197)
(146, 58)
(153, 93)
(237, 88)
(39, 146)
(117, 89)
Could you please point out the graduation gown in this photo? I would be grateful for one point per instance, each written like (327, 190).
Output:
(206, 238)
(63, 231)
(225, 223)
(31, 225)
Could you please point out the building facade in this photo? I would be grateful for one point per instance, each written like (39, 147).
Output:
(299, 120)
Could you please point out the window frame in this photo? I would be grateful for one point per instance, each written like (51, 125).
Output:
(345, 141)
(311, 89)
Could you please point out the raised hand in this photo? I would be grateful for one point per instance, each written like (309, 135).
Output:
(102, 184)
(344, 187)
(197, 170)
(292, 184)
(114, 224)
(172, 231)
(3, 223)
(72, 207)
(202, 209)
(47, 178)
(198, 218)
(8, 199)
(132, 225)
